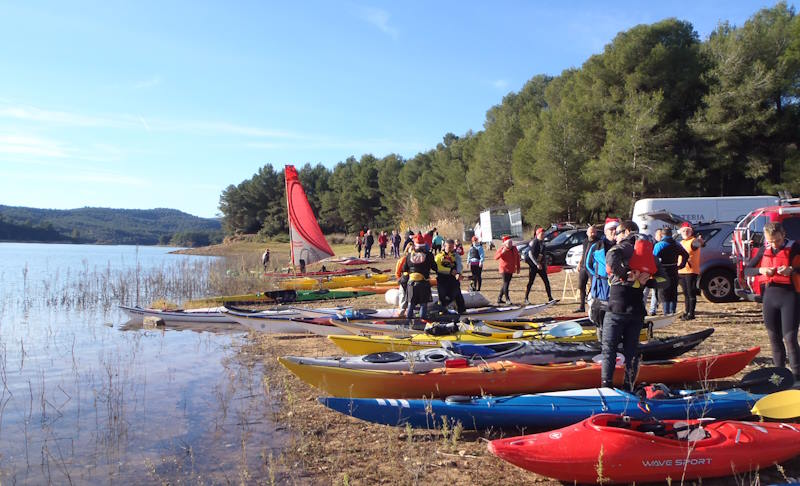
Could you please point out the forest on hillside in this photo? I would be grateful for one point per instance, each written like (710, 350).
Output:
(659, 113)
(108, 226)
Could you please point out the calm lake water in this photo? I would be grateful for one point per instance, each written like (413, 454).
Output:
(86, 399)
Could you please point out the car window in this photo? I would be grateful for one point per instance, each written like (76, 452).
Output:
(728, 243)
(559, 239)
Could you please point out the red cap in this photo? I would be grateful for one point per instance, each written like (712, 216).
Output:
(611, 223)
(506, 237)
(475, 238)
(539, 231)
(686, 224)
(419, 240)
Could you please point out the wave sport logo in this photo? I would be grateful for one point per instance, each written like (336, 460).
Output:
(679, 462)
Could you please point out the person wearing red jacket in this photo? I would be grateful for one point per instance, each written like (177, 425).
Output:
(383, 239)
(508, 257)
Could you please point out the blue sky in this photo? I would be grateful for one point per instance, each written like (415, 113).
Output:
(145, 104)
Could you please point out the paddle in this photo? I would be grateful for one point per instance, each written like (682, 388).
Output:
(781, 405)
(767, 380)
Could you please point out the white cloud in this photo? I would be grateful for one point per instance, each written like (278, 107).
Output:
(500, 83)
(379, 18)
(148, 83)
(31, 146)
(30, 113)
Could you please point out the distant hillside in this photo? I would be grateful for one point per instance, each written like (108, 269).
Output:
(108, 226)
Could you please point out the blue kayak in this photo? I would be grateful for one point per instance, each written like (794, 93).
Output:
(544, 410)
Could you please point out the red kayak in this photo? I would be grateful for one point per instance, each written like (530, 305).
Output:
(612, 448)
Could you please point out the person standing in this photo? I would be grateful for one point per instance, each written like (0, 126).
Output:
(383, 240)
(537, 264)
(429, 238)
(408, 242)
(448, 277)
(691, 272)
(436, 242)
(778, 265)
(475, 258)
(459, 248)
(509, 264)
(583, 274)
(359, 243)
(624, 319)
(265, 259)
(596, 266)
(419, 264)
(672, 257)
(402, 283)
(395, 241)
(369, 240)
(649, 294)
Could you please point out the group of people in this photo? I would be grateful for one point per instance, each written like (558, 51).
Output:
(365, 240)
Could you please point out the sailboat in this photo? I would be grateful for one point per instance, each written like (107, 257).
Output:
(307, 244)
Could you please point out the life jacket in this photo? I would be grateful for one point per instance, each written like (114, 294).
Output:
(474, 255)
(642, 258)
(599, 289)
(772, 259)
(419, 265)
(693, 265)
(398, 269)
(445, 263)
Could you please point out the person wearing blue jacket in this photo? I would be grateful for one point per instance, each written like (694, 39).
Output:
(672, 257)
(596, 266)
(475, 258)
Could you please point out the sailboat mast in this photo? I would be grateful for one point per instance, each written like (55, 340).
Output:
(288, 216)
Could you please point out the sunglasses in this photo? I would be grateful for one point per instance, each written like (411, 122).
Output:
(619, 232)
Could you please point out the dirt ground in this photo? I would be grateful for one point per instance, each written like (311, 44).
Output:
(331, 448)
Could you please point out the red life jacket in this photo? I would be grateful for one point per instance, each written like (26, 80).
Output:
(772, 259)
(643, 259)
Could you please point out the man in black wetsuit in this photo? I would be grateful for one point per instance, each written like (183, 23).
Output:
(537, 264)
(419, 264)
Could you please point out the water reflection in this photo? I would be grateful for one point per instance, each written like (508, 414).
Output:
(84, 401)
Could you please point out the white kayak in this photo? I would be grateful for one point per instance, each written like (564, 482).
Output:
(203, 314)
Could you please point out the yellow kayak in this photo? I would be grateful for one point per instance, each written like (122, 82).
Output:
(378, 344)
(336, 282)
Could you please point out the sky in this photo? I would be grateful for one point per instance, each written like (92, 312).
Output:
(145, 104)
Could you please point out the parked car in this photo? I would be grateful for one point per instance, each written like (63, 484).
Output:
(556, 229)
(749, 237)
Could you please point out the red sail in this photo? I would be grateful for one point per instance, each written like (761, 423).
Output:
(308, 242)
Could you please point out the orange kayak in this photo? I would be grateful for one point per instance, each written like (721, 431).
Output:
(505, 377)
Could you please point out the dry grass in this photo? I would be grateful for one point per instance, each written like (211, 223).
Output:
(331, 448)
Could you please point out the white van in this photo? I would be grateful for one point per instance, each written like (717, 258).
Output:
(695, 209)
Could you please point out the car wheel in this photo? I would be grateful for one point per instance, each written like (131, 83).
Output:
(717, 285)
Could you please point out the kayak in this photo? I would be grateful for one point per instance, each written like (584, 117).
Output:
(377, 344)
(308, 283)
(505, 377)
(613, 448)
(199, 315)
(286, 296)
(291, 321)
(528, 352)
(328, 273)
(543, 411)
(652, 323)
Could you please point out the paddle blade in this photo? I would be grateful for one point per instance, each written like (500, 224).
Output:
(566, 329)
(781, 405)
(767, 380)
